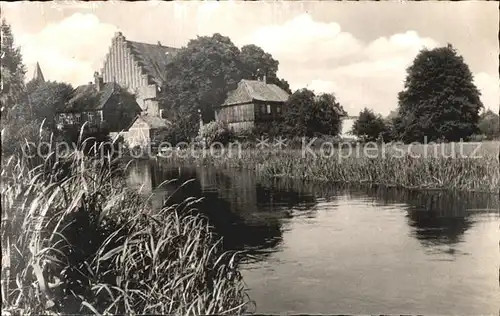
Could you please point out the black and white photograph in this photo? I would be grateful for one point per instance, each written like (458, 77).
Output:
(250, 157)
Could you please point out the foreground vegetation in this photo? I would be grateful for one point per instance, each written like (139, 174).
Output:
(477, 171)
(76, 240)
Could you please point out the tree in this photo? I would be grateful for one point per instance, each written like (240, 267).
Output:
(16, 127)
(489, 124)
(439, 99)
(44, 99)
(370, 126)
(306, 114)
(200, 75)
(256, 63)
(12, 69)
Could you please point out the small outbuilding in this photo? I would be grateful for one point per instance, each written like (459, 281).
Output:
(253, 101)
(146, 130)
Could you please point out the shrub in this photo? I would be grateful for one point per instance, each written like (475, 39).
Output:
(215, 131)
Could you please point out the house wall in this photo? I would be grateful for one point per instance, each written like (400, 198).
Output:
(94, 119)
(238, 117)
(119, 112)
(121, 66)
(268, 111)
(138, 134)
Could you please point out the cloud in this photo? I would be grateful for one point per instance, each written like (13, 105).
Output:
(323, 57)
(70, 50)
(303, 40)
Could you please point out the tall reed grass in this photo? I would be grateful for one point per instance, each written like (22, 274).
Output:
(75, 240)
(432, 172)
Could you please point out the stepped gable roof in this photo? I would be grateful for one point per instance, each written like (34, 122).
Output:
(152, 58)
(253, 90)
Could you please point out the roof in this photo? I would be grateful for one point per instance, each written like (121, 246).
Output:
(153, 122)
(252, 90)
(153, 59)
(38, 75)
(86, 98)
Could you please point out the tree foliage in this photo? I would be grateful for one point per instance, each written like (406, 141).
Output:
(256, 63)
(200, 75)
(370, 126)
(215, 132)
(44, 99)
(306, 114)
(12, 69)
(439, 99)
(17, 129)
(489, 124)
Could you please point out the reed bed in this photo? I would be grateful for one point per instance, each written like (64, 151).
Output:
(473, 171)
(75, 240)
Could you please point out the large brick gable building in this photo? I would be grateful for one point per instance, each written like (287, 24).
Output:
(140, 67)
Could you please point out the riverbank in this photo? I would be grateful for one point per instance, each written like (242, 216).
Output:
(75, 240)
(473, 167)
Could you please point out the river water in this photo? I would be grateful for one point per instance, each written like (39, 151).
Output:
(322, 249)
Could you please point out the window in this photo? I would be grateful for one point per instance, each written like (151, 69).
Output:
(91, 117)
(77, 117)
(278, 109)
(262, 108)
(269, 109)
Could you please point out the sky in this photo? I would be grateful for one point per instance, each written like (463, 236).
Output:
(357, 50)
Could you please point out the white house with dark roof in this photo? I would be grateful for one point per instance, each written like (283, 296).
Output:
(252, 102)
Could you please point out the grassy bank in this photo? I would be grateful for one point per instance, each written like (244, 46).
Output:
(75, 240)
(471, 167)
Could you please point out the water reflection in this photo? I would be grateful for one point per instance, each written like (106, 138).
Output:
(437, 219)
(323, 248)
(250, 214)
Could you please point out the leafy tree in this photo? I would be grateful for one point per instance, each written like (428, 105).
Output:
(439, 99)
(370, 126)
(17, 129)
(12, 69)
(200, 75)
(44, 99)
(392, 115)
(185, 125)
(255, 63)
(489, 124)
(306, 114)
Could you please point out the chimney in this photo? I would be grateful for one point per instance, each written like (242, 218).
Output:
(159, 43)
(98, 81)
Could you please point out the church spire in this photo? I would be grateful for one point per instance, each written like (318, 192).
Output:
(37, 75)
